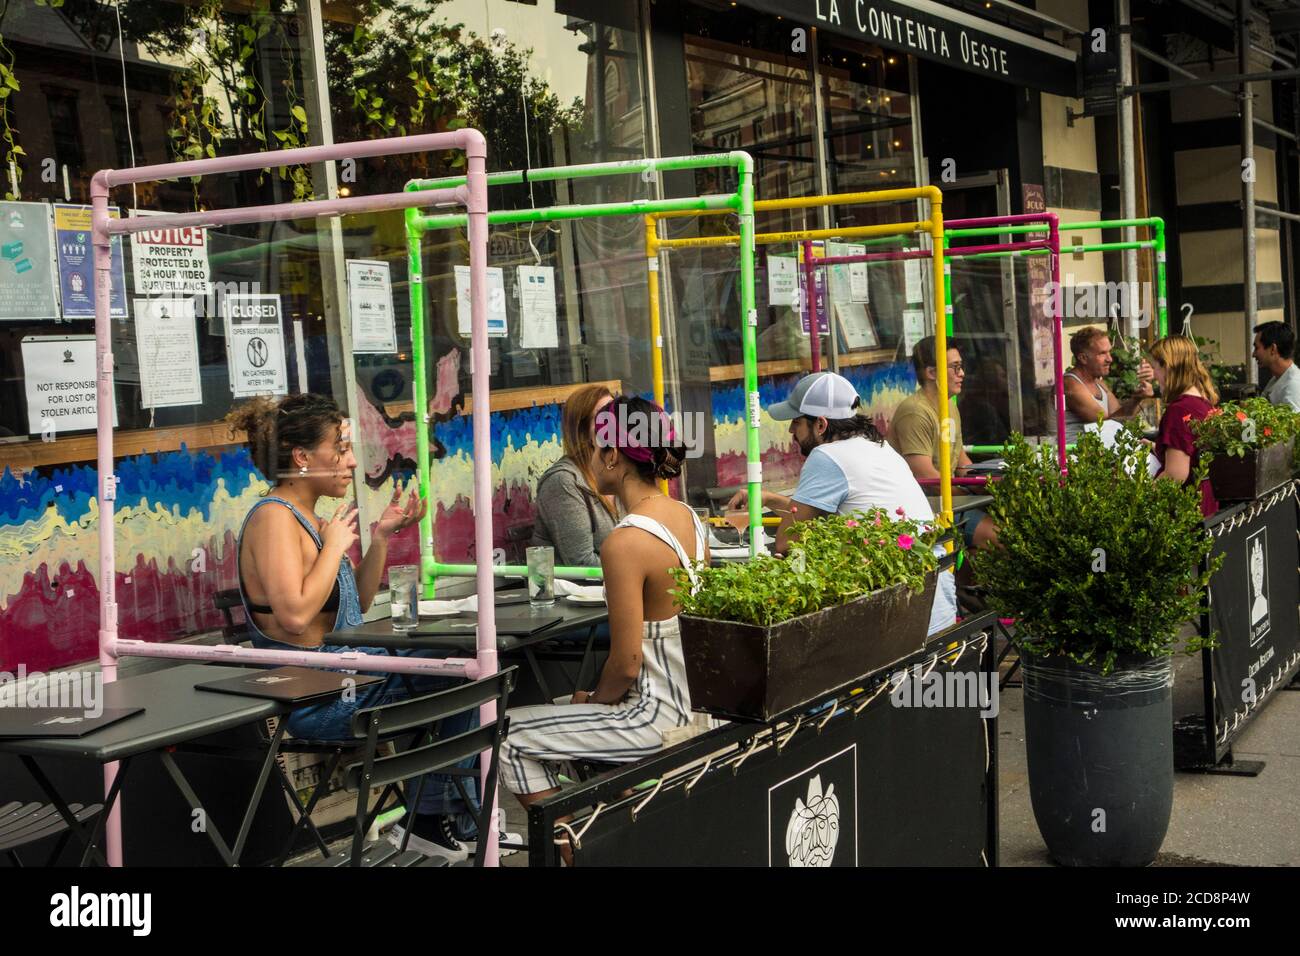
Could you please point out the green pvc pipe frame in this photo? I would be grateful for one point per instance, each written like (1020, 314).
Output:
(741, 202)
(1157, 242)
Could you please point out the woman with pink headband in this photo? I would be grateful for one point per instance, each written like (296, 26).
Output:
(642, 689)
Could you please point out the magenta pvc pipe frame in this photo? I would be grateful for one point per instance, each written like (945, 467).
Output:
(810, 304)
(473, 196)
(1052, 244)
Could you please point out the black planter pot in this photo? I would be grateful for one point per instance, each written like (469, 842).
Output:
(747, 672)
(1101, 762)
(1259, 472)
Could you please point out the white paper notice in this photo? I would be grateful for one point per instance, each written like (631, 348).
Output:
(912, 274)
(538, 328)
(370, 303)
(59, 375)
(913, 329)
(859, 333)
(255, 345)
(168, 350)
(171, 261)
(782, 280)
(848, 283)
(496, 302)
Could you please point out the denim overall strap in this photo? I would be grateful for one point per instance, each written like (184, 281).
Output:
(349, 610)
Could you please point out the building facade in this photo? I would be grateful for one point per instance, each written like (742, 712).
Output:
(983, 99)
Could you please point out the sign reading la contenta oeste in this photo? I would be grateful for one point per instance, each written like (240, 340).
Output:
(933, 31)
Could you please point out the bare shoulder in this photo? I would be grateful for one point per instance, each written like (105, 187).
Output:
(271, 521)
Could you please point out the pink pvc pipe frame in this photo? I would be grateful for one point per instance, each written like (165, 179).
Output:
(1052, 244)
(473, 196)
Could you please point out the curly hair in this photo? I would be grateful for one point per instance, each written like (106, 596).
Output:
(276, 428)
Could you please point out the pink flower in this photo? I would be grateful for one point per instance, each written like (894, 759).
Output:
(851, 523)
(905, 542)
(899, 511)
(877, 521)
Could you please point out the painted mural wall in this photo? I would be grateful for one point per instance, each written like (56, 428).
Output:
(179, 514)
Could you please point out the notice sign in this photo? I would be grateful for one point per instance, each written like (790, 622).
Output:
(77, 264)
(537, 322)
(370, 303)
(171, 261)
(848, 283)
(496, 295)
(782, 280)
(255, 345)
(168, 351)
(27, 285)
(59, 375)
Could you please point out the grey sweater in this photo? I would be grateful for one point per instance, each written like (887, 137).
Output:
(570, 516)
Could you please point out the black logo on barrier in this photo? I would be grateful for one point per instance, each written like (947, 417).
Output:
(812, 816)
(257, 351)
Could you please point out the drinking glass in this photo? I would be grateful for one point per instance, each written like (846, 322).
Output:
(404, 596)
(541, 576)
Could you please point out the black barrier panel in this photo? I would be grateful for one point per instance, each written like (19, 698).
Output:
(1253, 613)
(891, 786)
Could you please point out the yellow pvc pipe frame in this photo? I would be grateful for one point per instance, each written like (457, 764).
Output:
(933, 226)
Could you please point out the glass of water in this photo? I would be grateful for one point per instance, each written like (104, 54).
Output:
(404, 596)
(541, 576)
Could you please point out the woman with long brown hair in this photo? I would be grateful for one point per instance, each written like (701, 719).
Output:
(297, 583)
(1189, 393)
(572, 516)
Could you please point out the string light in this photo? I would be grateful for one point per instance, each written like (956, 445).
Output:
(345, 191)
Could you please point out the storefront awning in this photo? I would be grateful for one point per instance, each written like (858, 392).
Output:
(936, 32)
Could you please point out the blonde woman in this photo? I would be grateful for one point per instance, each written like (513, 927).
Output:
(572, 516)
(1189, 393)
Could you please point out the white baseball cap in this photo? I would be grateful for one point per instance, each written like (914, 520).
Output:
(819, 395)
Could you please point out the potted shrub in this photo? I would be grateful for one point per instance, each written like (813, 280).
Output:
(767, 635)
(1249, 445)
(1100, 570)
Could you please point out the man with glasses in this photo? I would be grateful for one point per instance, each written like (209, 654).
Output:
(917, 429)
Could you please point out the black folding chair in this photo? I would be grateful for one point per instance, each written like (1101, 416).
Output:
(22, 824)
(428, 753)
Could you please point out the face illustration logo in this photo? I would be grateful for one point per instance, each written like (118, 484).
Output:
(814, 827)
(812, 815)
(1257, 584)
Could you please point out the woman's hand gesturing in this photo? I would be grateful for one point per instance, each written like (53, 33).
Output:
(395, 517)
(340, 531)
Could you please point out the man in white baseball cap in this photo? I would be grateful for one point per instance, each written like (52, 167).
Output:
(848, 468)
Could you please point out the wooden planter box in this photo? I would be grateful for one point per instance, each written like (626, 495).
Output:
(747, 672)
(1244, 479)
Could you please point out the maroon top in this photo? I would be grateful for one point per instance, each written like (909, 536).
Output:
(1176, 433)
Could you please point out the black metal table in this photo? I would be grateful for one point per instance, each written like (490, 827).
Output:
(175, 713)
(520, 630)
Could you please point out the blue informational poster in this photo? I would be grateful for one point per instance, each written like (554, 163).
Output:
(77, 264)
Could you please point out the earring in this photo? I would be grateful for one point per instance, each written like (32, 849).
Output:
(302, 472)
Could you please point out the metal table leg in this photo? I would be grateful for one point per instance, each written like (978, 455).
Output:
(90, 843)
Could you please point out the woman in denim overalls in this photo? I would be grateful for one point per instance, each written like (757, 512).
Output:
(297, 583)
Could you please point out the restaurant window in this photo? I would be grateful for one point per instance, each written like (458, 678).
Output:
(65, 129)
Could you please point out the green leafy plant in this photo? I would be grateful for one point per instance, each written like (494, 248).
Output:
(1101, 562)
(1237, 428)
(832, 561)
(1126, 359)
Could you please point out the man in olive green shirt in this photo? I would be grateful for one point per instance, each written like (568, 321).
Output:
(916, 430)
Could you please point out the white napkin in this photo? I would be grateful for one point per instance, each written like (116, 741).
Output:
(565, 588)
(465, 605)
(729, 552)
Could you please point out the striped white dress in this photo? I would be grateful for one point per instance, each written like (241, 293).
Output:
(543, 737)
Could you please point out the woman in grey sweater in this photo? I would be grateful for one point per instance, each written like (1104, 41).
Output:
(572, 517)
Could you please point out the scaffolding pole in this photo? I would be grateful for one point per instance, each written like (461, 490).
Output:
(1251, 303)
